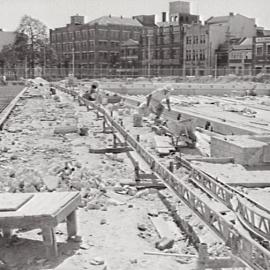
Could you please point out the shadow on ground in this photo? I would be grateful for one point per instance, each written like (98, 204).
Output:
(28, 254)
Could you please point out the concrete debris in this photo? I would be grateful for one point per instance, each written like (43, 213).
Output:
(97, 261)
(164, 243)
(141, 227)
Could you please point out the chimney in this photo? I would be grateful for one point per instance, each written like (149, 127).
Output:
(231, 14)
(164, 17)
(110, 15)
(121, 17)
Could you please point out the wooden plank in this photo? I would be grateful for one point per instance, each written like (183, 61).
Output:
(13, 201)
(163, 142)
(162, 227)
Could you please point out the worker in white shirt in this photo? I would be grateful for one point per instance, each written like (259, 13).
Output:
(154, 100)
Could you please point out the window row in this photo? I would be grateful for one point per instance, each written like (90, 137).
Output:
(261, 50)
(196, 39)
(195, 55)
(91, 33)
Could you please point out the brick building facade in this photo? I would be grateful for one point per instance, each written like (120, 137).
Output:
(261, 52)
(163, 44)
(93, 47)
(196, 49)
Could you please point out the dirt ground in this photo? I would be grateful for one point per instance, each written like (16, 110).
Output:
(34, 159)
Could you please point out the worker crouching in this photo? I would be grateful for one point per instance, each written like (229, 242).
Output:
(154, 100)
(93, 93)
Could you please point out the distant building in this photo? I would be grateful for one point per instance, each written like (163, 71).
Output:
(223, 29)
(240, 57)
(261, 52)
(94, 46)
(163, 44)
(130, 57)
(196, 50)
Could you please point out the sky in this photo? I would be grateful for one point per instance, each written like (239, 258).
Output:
(56, 13)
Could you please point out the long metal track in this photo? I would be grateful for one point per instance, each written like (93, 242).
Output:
(252, 214)
(241, 244)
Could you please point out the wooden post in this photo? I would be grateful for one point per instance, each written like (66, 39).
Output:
(203, 256)
(7, 233)
(72, 224)
(49, 240)
(171, 166)
(137, 172)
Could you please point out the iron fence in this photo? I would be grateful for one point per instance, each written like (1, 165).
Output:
(87, 73)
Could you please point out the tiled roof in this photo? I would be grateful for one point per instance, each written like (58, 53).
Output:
(6, 38)
(130, 42)
(105, 20)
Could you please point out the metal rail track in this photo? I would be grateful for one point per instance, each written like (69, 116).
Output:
(240, 242)
(255, 215)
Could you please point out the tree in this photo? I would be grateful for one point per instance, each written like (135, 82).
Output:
(37, 38)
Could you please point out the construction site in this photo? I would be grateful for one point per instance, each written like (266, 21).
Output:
(117, 181)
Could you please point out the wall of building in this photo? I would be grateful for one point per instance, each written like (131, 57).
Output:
(196, 49)
(96, 47)
(241, 26)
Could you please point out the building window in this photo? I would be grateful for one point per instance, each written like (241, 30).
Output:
(195, 40)
(202, 55)
(126, 35)
(70, 35)
(91, 33)
(202, 39)
(53, 38)
(268, 48)
(115, 34)
(84, 34)
(78, 35)
(91, 44)
(259, 50)
(84, 56)
(102, 34)
(188, 55)
(188, 40)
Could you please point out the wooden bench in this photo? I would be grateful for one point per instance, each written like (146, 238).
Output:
(39, 210)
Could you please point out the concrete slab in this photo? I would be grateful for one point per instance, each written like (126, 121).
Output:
(235, 174)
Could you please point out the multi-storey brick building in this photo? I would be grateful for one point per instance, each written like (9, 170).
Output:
(261, 52)
(196, 49)
(223, 31)
(130, 61)
(93, 48)
(163, 44)
(240, 57)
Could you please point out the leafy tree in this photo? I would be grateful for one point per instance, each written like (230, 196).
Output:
(37, 38)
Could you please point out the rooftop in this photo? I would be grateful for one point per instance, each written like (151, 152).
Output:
(105, 20)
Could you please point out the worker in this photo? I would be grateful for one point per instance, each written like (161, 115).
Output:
(154, 104)
(93, 92)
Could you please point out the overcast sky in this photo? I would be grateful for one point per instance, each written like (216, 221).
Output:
(56, 13)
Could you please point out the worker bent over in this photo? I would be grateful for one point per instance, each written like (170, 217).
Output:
(154, 104)
(93, 93)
